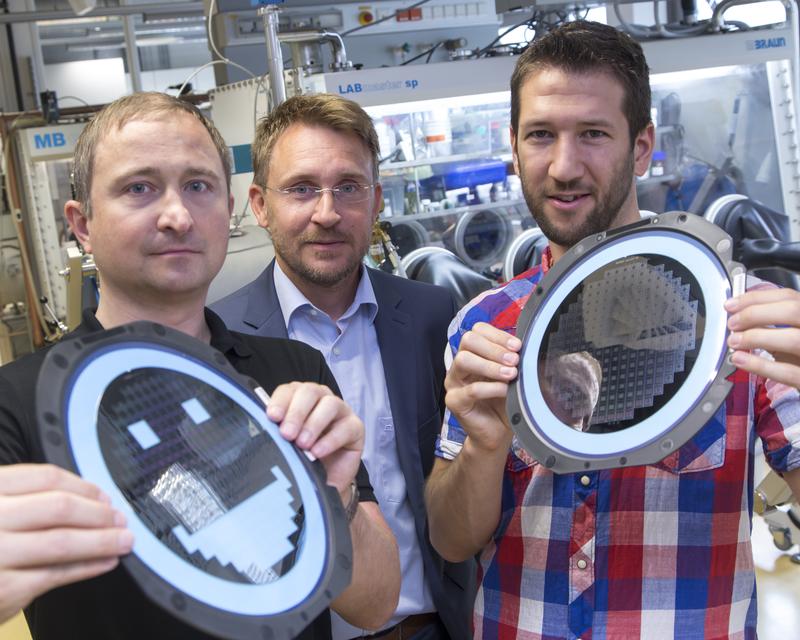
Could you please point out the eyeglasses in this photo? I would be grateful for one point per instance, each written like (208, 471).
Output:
(305, 195)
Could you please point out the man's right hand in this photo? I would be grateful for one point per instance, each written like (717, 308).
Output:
(477, 385)
(463, 496)
(55, 529)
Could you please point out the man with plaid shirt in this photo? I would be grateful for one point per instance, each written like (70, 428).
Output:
(656, 551)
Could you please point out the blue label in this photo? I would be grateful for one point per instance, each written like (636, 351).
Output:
(49, 140)
(766, 43)
(350, 88)
(242, 159)
(389, 85)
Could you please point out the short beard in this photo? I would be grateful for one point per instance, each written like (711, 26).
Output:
(606, 210)
(320, 277)
(316, 276)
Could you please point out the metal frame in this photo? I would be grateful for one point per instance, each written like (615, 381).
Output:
(40, 216)
(784, 121)
(71, 366)
(534, 430)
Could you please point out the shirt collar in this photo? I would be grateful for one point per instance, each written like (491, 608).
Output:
(291, 298)
(547, 259)
(222, 339)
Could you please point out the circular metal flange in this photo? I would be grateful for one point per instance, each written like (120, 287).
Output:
(411, 261)
(522, 242)
(630, 323)
(236, 531)
(481, 236)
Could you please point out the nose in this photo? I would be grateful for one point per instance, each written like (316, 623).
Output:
(566, 164)
(175, 215)
(325, 214)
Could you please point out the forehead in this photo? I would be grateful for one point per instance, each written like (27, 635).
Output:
(315, 149)
(554, 94)
(166, 141)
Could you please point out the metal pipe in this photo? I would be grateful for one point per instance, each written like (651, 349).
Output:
(168, 8)
(131, 53)
(277, 84)
(37, 60)
(320, 35)
(718, 21)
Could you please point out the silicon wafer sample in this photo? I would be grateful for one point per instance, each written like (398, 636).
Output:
(638, 321)
(192, 464)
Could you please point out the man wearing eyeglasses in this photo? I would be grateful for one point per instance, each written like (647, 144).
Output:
(316, 191)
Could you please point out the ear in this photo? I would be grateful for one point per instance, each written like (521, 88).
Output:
(378, 206)
(258, 204)
(78, 223)
(514, 157)
(643, 149)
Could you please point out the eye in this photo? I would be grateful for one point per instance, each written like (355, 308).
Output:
(538, 134)
(138, 188)
(198, 186)
(595, 134)
(348, 189)
(301, 190)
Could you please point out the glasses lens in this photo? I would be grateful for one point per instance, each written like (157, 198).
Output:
(352, 193)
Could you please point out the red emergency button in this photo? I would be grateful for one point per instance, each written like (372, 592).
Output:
(365, 17)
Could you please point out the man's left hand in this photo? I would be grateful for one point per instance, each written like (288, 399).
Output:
(768, 320)
(316, 420)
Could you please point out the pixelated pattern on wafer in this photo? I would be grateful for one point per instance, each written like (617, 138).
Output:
(639, 322)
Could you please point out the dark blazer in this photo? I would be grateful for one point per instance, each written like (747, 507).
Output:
(411, 326)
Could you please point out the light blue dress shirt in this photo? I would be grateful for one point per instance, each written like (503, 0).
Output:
(350, 347)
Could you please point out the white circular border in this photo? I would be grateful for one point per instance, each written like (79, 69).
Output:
(716, 288)
(272, 598)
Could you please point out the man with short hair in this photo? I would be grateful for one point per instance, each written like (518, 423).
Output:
(316, 190)
(660, 550)
(153, 205)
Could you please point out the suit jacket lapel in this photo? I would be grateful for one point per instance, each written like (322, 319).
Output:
(263, 311)
(395, 331)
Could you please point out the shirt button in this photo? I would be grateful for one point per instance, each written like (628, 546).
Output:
(581, 564)
(586, 481)
(313, 312)
(336, 351)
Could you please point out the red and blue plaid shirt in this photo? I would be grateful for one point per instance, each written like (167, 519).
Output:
(657, 551)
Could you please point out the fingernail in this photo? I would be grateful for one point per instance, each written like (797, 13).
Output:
(320, 450)
(275, 413)
(733, 322)
(514, 343)
(102, 496)
(287, 429)
(738, 358)
(506, 371)
(125, 541)
(304, 439)
(731, 304)
(510, 358)
(734, 340)
(119, 519)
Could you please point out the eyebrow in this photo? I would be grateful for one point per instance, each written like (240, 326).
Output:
(581, 123)
(154, 172)
(307, 177)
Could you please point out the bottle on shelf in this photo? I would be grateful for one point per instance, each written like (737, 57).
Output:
(657, 164)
